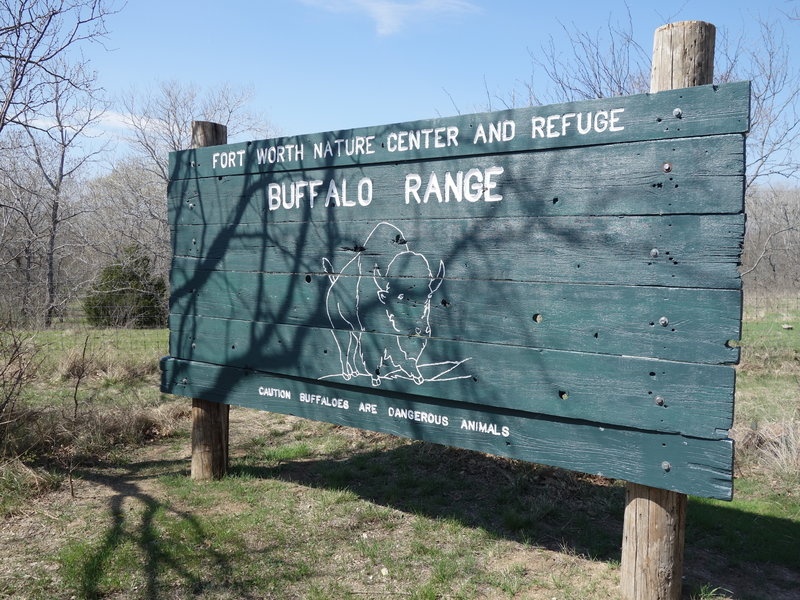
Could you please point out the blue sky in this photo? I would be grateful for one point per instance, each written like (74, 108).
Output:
(318, 65)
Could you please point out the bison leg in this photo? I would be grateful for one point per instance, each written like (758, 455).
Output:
(355, 355)
(344, 342)
(411, 348)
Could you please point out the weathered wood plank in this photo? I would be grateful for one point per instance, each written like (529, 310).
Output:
(705, 175)
(648, 394)
(585, 318)
(669, 461)
(706, 110)
(674, 250)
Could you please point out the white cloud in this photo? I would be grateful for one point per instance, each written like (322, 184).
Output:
(391, 16)
(115, 120)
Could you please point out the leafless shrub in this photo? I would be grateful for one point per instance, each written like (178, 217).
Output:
(52, 434)
(18, 360)
(772, 447)
(74, 364)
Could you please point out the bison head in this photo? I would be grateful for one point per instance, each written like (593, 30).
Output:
(406, 288)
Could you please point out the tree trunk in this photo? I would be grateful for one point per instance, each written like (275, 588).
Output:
(51, 262)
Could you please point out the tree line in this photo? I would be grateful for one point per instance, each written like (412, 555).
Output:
(71, 239)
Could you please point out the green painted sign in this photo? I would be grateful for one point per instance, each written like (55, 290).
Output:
(556, 284)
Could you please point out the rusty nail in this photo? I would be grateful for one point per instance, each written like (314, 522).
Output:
(667, 167)
(666, 466)
(660, 400)
(654, 253)
(677, 113)
(663, 321)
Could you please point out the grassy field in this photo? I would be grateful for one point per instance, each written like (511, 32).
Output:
(311, 510)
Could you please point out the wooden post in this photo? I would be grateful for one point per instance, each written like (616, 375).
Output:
(209, 419)
(655, 519)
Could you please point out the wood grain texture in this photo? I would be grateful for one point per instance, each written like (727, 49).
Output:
(706, 110)
(697, 466)
(209, 439)
(603, 319)
(693, 251)
(652, 543)
(683, 55)
(652, 547)
(583, 282)
(610, 390)
(208, 133)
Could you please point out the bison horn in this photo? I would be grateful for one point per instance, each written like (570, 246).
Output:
(437, 281)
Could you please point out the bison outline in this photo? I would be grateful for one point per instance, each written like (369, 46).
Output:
(407, 309)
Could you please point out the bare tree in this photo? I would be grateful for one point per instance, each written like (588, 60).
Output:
(23, 213)
(609, 62)
(35, 36)
(129, 209)
(130, 203)
(45, 188)
(161, 120)
(601, 64)
(771, 265)
(775, 110)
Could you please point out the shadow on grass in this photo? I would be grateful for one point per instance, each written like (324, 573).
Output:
(541, 506)
(559, 510)
(134, 536)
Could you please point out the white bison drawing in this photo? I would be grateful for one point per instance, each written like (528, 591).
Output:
(385, 280)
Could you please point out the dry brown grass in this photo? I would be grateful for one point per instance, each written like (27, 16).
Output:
(780, 454)
(75, 363)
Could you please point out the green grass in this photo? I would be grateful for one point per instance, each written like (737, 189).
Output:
(279, 528)
(762, 398)
(758, 526)
(771, 343)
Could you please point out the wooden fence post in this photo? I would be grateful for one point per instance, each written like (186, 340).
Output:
(655, 519)
(209, 419)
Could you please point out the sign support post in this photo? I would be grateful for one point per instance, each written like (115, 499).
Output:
(209, 419)
(655, 519)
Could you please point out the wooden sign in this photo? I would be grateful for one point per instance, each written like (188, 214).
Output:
(555, 284)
